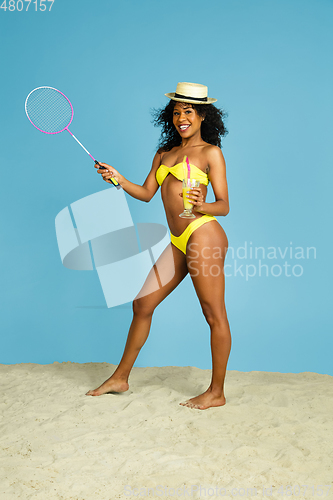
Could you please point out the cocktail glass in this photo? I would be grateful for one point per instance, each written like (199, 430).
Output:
(187, 185)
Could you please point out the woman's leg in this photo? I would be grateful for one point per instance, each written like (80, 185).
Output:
(206, 252)
(169, 271)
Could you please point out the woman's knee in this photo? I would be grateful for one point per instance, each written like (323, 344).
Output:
(214, 314)
(143, 307)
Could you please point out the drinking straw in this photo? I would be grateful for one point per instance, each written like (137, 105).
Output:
(184, 168)
(188, 168)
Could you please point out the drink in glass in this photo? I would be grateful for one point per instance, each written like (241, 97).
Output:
(187, 185)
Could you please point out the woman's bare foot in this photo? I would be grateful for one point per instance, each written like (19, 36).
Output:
(110, 385)
(205, 400)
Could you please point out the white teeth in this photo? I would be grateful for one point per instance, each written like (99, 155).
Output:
(183, 127)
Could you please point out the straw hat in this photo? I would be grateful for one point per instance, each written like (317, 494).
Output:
(191, 92)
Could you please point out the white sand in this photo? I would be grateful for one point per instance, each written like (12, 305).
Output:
(56, 443)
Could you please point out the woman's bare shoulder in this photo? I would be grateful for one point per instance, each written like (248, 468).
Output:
(213, 154)
(213, 151)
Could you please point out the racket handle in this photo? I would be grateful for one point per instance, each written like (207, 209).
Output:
(114, 182)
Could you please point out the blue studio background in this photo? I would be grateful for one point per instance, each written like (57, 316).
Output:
(269, 64)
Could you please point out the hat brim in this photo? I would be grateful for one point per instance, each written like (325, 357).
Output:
(171, 95)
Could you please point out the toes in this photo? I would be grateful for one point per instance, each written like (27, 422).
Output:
(90, 393)
(188, 404)
(195, 406)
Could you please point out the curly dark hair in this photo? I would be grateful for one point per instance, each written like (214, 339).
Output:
(212, 128)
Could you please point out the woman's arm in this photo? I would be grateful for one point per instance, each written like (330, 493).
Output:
(144, 192)
(218, 179)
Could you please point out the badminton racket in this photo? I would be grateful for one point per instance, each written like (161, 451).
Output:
(51, 112)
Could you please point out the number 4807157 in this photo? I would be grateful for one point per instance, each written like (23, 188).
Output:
(20, 4)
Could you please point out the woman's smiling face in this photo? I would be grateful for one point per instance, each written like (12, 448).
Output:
(186, 119)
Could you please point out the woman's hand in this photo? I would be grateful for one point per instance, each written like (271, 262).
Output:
(109, 172)
(195, 197)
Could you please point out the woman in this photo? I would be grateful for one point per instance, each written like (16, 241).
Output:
(192, 126)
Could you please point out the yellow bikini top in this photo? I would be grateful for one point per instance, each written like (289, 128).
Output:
(177, 171)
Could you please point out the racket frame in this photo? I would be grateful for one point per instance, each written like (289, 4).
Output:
(114, 182)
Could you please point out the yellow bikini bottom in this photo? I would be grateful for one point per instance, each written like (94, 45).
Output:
(181, 241)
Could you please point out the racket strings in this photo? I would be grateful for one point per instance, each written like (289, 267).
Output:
(49, 110)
